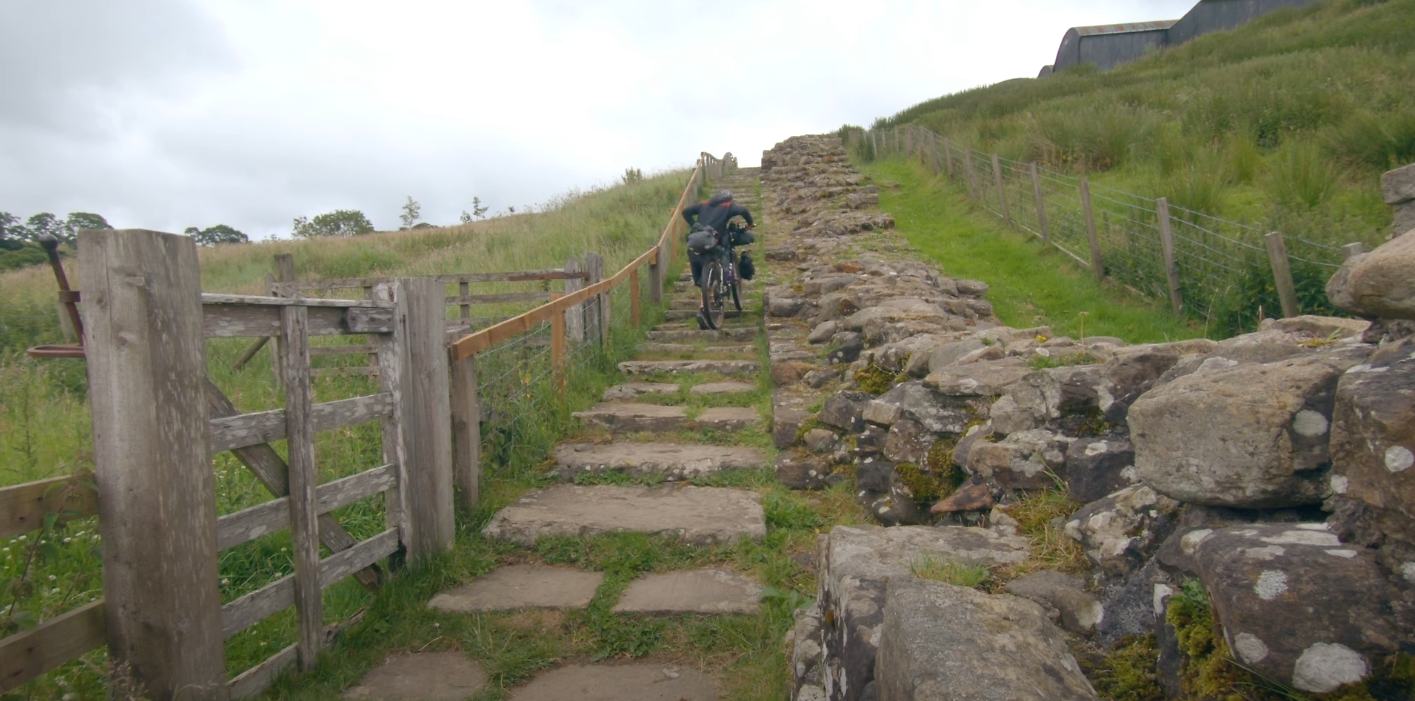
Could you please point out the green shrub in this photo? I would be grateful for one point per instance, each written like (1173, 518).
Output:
(1303, 178)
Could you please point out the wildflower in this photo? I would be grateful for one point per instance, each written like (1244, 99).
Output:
(66, 540)
(52, 578)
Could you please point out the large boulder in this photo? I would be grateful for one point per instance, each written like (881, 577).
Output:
(1023, 460)
(1096, 467)
(1250, 436)
(855, 565)
(1044, 397)
(1125, 377)
(1299, 606)
(1379, 283)
(945, 643)
(1373, 452)
(986, 379)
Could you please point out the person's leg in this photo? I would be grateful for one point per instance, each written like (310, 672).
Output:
(697, 262)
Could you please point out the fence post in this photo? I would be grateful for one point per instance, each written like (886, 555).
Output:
(874, 146)
(1041, 203)
(557, 346)
(1097, 268)
(425, 402)
(466, 432)
(1001, 191)
(575, 315)
(634, 295)
(972, 174)
(390, 350)
(142, 320)
(1351, 250)
(595, 311)
(1167, 246)
(284, 272)
(1282, 274)
(304, 526)
(948, 156)
(656, 268)
(464, 289)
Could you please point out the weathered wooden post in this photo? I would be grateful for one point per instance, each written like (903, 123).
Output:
(1171, 272)
(142, 320)
(1282, 274)
(303, 476)
(657, 265)
(1097, 267)
(972, 174)
(575, 315)
(426, 434)
(1041, 203)
(634, 295)
(1001, 191)
(464, 290)
(466, 432)
(557, 346)
(1351, 250)
(284, 273)
(594, 265)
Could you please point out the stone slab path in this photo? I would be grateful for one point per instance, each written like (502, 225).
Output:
(695, 591)
(675, 461)
(522, 587)
(697, 515)
(428, 676)
(627, 682)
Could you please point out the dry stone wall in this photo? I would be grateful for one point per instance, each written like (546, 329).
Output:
(1277, 468)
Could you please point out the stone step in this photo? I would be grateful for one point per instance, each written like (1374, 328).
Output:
(682, 333)
(521, 587)
(672, 314)
(633, 390)
(689, 348)
(676, 461)
(641, 681)
(697, 515)
(692, 591)
(689, 303)
(716, 388)
(676, 367)
(628, 417)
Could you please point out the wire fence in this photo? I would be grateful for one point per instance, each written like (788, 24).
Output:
(1227, 274)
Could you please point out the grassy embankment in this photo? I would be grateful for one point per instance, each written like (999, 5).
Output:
(44, 421)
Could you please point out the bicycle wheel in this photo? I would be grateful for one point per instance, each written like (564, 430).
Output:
(736, 296)
(712, 295)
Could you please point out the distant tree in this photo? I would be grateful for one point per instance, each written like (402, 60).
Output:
(632, 175)
(46, 223)
(466, 218)
(340, 222)
(479, 210)
(412, 212)
(78, 221)
(510, 210)
(216, 235)
(12, 232)
(424, 225)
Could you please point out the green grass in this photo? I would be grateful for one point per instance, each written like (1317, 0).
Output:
(1030, 284)
(1289, 119)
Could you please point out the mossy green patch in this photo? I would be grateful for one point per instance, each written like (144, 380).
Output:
(1128, 672)
(874, 379)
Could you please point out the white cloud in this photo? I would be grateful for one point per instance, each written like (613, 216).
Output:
(171, 113)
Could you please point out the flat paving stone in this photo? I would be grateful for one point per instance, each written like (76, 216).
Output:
(712, 388)
(674, 367)
(427, 676)
(682, 333)
(728, 418)
(694, 591)
(521, 587)
(699, 515)
(676, 461)
(632, 390)
(654, 347)
(619, 682)
(626, 417)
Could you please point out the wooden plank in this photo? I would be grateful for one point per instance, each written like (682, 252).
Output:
(64, 638)
(259, 678)
(231, 432)
(466, 433)
(259, 301)
(423, 415)
(233, 320)
(1282, 275)
(464, 289)
(449, 279)
(341, 350)
(1097, 268)
(594, 263)
(658, 269)
(342, 564)
(343, 372)
(248, 524)
(500, 298)
(24, 506)
(594, 268)
(1040, 202)
(1171, 271)
(152, 459)
(391, 351)
(304, 478)
(269, 468)
(575, 315)
(1001, 190)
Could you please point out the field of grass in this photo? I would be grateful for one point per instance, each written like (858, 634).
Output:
(1030, 284)
(45, 430)
(1288, 121)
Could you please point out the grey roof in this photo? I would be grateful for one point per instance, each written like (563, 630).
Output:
(1124, 28)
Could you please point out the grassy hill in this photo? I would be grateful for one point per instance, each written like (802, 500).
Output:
(1289, 120)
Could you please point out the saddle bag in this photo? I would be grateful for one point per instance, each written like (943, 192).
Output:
(745, 267)
(702, 241)
(743, 237)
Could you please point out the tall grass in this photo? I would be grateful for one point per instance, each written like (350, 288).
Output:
(1307, 106)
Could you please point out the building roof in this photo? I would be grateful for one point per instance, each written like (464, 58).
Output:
(1124, 28)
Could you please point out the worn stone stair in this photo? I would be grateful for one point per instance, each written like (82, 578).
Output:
(678, 367)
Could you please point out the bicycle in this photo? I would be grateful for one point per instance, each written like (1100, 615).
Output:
(719, 278)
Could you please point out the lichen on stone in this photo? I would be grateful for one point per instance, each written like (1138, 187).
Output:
(874, 379)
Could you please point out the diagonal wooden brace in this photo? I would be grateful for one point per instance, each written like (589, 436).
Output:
(272, 472)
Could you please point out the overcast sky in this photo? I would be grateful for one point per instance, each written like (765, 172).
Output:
(165, 114)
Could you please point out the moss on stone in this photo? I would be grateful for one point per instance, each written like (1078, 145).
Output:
(874, 379)
(1128, 672)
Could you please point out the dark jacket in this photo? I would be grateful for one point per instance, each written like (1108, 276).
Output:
(715, 213)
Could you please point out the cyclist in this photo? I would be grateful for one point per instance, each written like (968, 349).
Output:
(714, 215)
